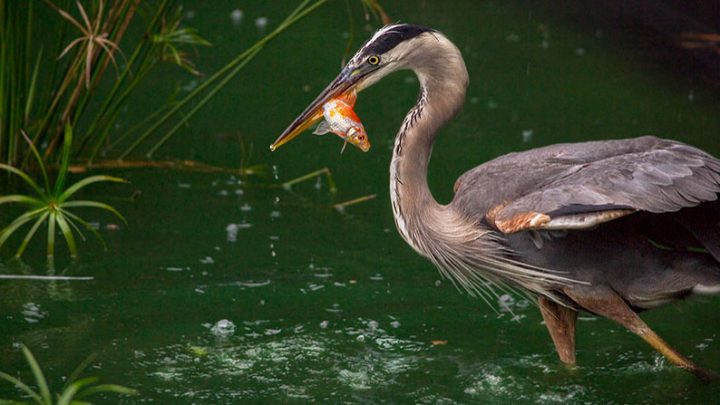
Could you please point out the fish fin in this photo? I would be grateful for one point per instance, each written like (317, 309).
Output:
(322, 129)
(344, 145)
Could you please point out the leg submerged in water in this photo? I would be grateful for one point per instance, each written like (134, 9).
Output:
(560, 322)
(607, 303)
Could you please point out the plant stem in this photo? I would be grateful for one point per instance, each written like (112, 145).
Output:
(110, 108)
(188, 165)
(124, 13)
(201, 103)
(300, 12)
(324, 171)
(341, 206)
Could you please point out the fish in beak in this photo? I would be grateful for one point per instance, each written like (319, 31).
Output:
(340, 119)
(343, 88)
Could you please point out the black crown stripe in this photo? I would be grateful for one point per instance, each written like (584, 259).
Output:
(394, 36)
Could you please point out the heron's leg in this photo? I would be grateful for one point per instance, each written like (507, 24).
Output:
(606, 302)
(560, 322)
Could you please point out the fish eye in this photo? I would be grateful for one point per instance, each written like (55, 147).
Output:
(361, 137)
(373, 60)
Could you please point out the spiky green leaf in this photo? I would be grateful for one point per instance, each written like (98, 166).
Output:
(86, 182)
(33, 86)
(23, 176)
(18, 198)
(39, 376)
(93, 204)
(118, 389)
(64, 160)
(52, 220)
(21, 220)
(11, 402)
(31, 233)
(39, 160)
(24, 387)
(79, 369)
(67, 233)
(68, 395)
(87, 226)
(72, 224)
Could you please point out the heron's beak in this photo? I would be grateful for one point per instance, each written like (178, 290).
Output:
(345, 82)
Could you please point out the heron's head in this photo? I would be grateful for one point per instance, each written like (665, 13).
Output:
(392, 48)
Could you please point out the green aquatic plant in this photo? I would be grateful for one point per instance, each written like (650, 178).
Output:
(91, 37)
(53, 204)
(322, 172)
(56, 75)
(173, 36)
(75, 391)
(204, 92)
(71, 69)
(51, 74)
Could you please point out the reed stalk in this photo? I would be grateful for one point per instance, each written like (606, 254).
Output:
(222, 76)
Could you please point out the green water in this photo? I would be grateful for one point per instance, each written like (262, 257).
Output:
(334, 307)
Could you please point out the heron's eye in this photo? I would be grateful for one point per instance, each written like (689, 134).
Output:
(373, 60)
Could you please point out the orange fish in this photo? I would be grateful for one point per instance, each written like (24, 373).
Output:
(340, 119)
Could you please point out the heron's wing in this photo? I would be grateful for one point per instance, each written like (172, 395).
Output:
(662, 176)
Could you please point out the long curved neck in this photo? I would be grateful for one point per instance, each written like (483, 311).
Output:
(443, 82)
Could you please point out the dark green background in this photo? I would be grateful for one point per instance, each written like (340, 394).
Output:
(335, 307)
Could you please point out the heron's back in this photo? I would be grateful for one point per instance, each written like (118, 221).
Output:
(664, 244)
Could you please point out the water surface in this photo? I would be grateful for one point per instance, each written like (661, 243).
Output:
(225, 289)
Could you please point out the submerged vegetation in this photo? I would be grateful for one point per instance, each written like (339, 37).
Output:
(75, 391)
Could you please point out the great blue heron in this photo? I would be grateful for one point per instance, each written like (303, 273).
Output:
(610, 227)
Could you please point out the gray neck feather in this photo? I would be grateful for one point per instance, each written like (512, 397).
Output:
(464, 250)
(443, 82)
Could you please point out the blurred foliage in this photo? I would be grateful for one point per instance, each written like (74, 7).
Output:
(75, 391)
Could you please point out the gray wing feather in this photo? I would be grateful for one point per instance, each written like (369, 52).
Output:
(641, 174)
